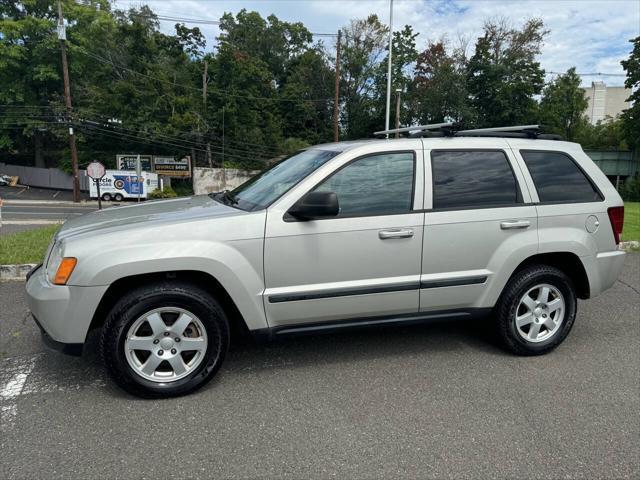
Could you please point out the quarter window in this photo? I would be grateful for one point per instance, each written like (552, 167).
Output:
(558, 178)
(472, 179)
(374, 185)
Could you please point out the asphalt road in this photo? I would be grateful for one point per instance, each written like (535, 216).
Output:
(40, 211)
(436, 401)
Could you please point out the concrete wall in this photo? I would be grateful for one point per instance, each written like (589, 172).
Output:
(207, 180)
(44, 177)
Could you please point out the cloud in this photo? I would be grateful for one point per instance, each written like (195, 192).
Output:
(590, 35)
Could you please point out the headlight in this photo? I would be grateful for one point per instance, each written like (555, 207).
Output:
(55, 258)
(59, 268)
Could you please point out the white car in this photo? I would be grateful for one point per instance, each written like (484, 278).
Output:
(374, 232)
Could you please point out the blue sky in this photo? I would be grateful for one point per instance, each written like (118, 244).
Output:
(589, 34)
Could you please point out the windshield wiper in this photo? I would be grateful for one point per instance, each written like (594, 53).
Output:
(227, 197)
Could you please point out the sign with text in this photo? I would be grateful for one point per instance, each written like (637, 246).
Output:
(171, 167)
(128, 162)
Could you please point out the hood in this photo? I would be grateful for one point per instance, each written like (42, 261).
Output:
(160, 211)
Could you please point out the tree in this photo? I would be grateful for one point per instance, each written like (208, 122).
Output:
(503, 74)
(439, 87)
(631, 116)
(563, 105)
(363, 49)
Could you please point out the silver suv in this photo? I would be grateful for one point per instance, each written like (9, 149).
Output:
(342, 235)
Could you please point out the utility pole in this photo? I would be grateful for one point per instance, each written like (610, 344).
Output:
(204, 109)
(62, 36)
(386, 118)
(398, 92)
(336, 98)
(224, 172)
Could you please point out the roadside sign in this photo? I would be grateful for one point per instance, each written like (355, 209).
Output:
(129, 162)
(171, 167)
(95, 170)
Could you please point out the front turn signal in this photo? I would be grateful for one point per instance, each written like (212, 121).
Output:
(64, 270)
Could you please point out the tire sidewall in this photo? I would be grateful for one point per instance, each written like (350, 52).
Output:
(217, 336)
(564, 285)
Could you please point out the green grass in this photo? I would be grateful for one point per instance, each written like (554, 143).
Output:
(26, 247)
(631, 230)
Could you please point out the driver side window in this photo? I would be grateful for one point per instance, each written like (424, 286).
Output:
(380, 184)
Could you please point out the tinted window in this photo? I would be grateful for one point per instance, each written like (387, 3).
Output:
(558, 178)
(472, 179)
(375, 185)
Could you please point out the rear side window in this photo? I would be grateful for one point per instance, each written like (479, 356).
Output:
(558, 178)
(472, 179)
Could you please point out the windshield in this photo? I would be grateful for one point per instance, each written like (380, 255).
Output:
(262, 190)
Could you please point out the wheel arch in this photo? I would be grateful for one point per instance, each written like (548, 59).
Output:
(203, 280)
(567, 262)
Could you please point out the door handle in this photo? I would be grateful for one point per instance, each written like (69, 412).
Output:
(514, 224)
(395, 233)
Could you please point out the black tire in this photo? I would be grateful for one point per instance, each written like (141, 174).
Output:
(118, 197)
(507, 307)
(106, 197)
(144, 299)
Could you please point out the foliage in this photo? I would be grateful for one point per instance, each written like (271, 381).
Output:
(269, 85)
(605, 135)
(503, 74)
(168, 192)
(26, 247)
(631, 116)
(563, 105)
(630, 191)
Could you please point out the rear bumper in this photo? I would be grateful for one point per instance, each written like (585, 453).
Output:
(63, 313)
(603, 270)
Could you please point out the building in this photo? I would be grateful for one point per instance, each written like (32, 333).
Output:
(605, 101)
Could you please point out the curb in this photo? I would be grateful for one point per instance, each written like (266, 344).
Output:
(15, 272)
(83, 203)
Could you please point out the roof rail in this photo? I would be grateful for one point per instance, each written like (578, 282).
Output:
(514, 129)
(416, 128)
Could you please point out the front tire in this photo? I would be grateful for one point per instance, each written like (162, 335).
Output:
(106, 197)
(164, 340)
(118, 197)
(536, 311)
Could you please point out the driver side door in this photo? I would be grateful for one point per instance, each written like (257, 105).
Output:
(362, 264)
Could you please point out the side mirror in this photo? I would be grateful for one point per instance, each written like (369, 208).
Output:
(315, 205)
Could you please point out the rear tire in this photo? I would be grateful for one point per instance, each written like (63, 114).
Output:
(536, 310)
(106, 197)
(118, 197)
(182, 333)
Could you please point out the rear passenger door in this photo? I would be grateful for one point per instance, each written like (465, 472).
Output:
(479, 224)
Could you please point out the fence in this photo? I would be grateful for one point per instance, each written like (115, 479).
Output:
(44, 177)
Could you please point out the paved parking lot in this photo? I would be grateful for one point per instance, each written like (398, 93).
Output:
(435, 401)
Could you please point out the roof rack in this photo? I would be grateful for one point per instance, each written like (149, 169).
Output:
(416, 129)
(451, 129)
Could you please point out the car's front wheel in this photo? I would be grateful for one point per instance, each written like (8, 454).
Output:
(165, 339)
(536, 310)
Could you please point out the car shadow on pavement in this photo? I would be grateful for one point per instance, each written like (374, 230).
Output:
(246, 356)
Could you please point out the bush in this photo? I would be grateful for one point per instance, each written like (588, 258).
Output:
(166, 193)
(630, 190)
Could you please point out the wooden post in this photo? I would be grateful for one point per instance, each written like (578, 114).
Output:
(67, 98)
(336, 98)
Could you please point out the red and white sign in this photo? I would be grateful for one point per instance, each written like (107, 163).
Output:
(95, 170)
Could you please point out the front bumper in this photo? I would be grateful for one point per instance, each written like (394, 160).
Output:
(63, 313)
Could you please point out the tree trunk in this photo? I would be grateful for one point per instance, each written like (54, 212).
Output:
(38, 150)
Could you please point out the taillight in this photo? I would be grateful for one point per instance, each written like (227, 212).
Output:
(616, 217)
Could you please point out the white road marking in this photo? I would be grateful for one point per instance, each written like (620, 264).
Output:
(20, 377)
(11, 389)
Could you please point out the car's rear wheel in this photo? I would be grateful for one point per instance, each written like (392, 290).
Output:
(106, 197)
(118, 197)
(536, 310)
(164, 340)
